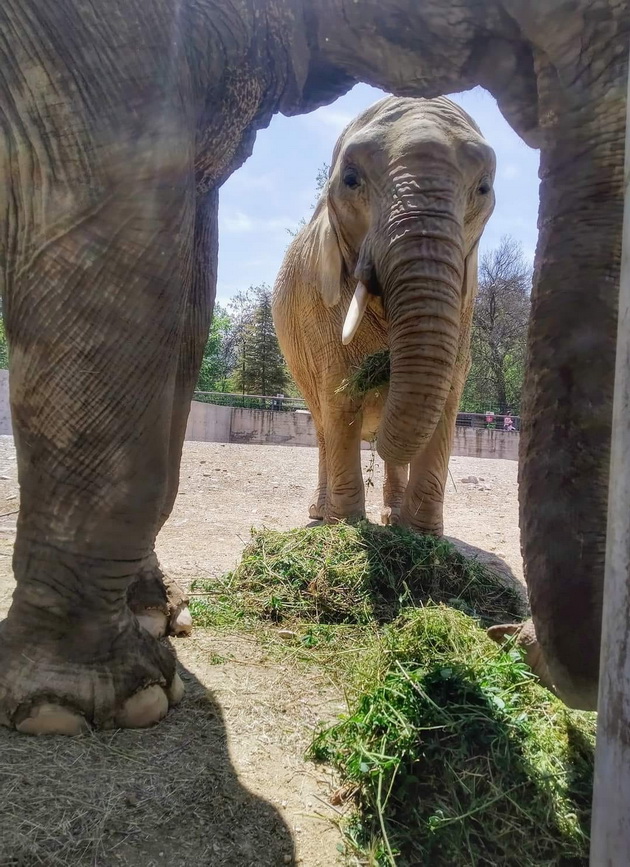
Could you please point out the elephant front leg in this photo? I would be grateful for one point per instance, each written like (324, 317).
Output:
(317, 507)
(394, 487)
(93, 384)
(345, 491)
(157, 600)
(423, 503)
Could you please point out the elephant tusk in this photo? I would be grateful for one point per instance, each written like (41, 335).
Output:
(355, 313)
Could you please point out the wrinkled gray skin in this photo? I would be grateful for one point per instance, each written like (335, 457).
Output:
(409, 194)
(119, 121)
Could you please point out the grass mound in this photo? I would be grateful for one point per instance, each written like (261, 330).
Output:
(362, 573)
(373, 373)
(458, 757)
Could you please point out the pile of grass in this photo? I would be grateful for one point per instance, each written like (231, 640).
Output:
(358, 574)
(457, 757)
(373, 373)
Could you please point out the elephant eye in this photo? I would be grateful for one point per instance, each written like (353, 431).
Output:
(484, 188)
(351, 178)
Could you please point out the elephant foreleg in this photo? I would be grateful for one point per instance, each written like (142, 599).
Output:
(394, 487)
(345, 491)
(423, 503)
(158, 601)
(317, 507)
(94, 373)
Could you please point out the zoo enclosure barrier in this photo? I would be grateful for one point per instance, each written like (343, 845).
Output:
(279, 403)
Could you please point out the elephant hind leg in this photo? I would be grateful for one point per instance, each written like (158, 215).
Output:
(394, 486)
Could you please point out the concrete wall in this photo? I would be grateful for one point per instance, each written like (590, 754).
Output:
(6, 428)
(210, 423)
(481, 443)
(225, 424)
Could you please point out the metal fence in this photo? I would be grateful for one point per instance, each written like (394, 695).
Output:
(489, 419)
(252, 401)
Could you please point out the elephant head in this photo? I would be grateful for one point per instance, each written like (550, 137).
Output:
(409, 192)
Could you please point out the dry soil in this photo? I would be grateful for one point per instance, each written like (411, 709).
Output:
(222, 781)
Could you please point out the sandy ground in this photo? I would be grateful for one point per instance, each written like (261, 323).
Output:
(235, 746)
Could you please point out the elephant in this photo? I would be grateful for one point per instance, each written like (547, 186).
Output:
(409, 192)
(119, 123)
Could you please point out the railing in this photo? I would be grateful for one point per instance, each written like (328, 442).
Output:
(291, 404)
(251, 401)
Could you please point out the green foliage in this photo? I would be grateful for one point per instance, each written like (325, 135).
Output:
(242, 351)
(358, 574)
(457, 758)
(260, 366)
(451, 753)
(218, 353)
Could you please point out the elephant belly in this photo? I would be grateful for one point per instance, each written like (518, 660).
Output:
(372, 411)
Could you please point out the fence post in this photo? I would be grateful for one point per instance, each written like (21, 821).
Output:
(610, 829)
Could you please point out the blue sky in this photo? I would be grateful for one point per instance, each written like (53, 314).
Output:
(276, 186)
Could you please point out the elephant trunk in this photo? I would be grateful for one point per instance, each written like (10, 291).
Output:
(421, 276)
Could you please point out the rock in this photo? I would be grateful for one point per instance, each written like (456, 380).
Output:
(470, 480)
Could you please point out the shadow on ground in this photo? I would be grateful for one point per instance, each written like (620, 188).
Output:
(162, 796)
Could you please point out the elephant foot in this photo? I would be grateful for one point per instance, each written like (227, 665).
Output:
(524, 636)
(101, 675)
(350, 518)
(316, 511)
(159, 603)
(426, 521)
(390, 515)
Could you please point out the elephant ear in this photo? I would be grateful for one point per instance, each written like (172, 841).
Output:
(324, 262)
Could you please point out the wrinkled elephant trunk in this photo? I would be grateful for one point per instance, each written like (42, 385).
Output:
(422, 281)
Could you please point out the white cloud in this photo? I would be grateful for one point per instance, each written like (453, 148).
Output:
(237, 222)
(509, 172)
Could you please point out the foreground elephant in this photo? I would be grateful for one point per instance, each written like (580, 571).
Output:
(119, 122)
(409, 194)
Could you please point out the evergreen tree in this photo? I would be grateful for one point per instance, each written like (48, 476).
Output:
(260, 367)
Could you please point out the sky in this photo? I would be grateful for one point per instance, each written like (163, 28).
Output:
(276, 186)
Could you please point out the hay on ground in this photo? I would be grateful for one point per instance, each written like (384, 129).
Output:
(458, 758)
(363, 572)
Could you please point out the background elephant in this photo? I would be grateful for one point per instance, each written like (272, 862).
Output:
(409, 193)
(119, 122)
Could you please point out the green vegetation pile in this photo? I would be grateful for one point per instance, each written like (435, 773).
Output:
(456, 756)
(451, 753)
(359, 574)
(370, 375)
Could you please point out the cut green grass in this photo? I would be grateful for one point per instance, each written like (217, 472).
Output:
(354, 574)
(457, 757)
(372, 374)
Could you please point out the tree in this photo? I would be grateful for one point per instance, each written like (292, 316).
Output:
(218, 355)
(499, 331)
(260, 367)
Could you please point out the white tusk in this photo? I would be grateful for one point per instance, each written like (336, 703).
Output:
(355, 313)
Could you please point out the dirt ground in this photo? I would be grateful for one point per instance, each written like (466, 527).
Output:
(222, 781)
